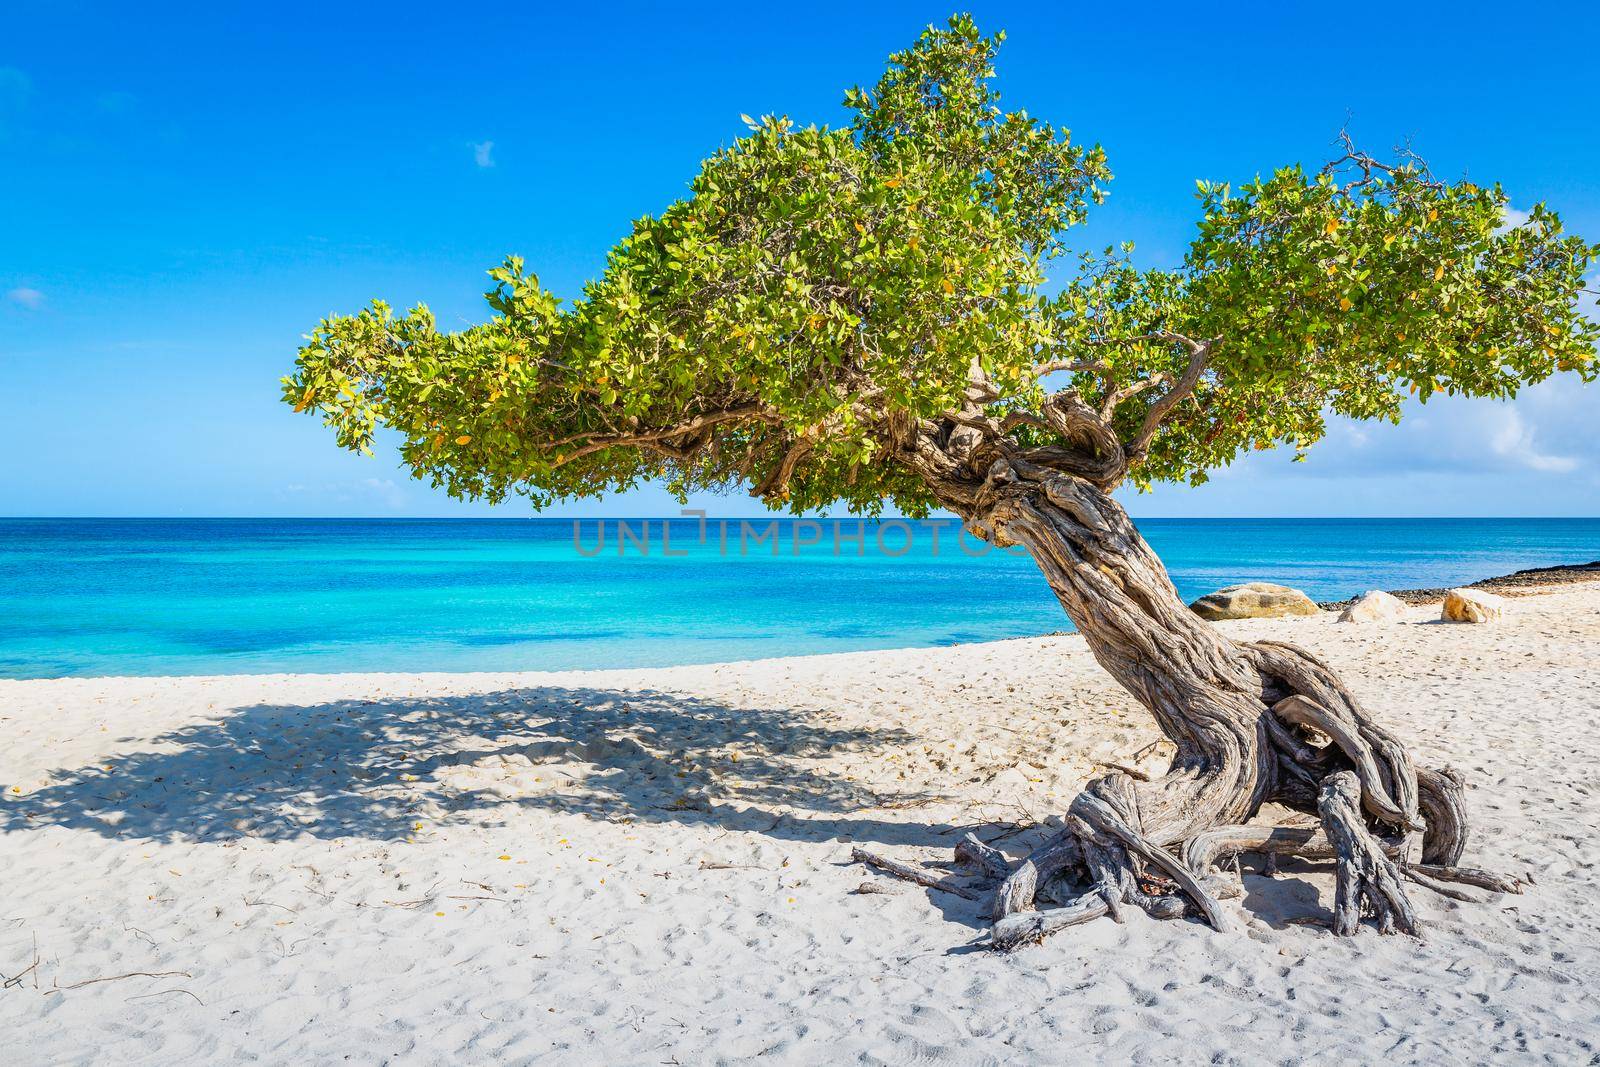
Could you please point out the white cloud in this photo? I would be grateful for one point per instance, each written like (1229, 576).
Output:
(1514, 441)
(364, 491)
(482, 153)
(385, 491)
(1535, 455)
(32, 299)
(1512, 217)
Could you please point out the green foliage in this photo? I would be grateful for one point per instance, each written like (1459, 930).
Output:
(821, 290)
(1346, 291)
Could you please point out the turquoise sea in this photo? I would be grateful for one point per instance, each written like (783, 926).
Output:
(208, 596)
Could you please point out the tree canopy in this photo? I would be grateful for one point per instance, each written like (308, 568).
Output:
(862, 315)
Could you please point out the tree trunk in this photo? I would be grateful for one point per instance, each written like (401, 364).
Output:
(1252, 723)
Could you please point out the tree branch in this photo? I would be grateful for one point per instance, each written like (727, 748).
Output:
(776, 483)
(1109, 406)
(1075, 366)
(1199, 356)
(597, 443)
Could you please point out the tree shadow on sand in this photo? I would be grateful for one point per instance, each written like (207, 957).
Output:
(373, 769)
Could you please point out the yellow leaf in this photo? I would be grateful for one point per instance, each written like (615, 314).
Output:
(1331, 227)
(505, 857)
(860, 228)
(464, 439)
(1433, 216)
(912, 242)
(1438, 272)
(947, 286)
(893, 183)
(1389, 240)
(1344, 303)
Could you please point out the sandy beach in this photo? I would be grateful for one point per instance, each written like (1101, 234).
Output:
(652, 866)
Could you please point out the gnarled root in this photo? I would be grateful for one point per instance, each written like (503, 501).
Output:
(1441, 796)
(1294, 736)
(911, 873)
(1365, 874)
(1443, 880)
(1031, 927)
(1120, 865)
(1319, 704)
(1205, 851)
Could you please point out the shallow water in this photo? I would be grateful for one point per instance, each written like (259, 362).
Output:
(209, 596)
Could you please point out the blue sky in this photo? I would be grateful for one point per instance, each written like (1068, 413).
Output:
(186, 189)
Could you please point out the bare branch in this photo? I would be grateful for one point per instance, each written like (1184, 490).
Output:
(1095, 366)
(776, 483)
(1109, 406)
(1200, 355)
(1369, 165)
(1170, 336)
(1020, 417)
(599, 442)
(1075, 366)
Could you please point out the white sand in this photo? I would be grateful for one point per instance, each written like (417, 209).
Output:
(324, 858)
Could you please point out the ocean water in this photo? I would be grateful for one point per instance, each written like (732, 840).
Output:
(209, 596)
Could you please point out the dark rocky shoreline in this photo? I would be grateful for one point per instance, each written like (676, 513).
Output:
(1518, 583)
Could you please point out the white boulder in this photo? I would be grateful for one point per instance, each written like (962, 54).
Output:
(1472, 605)
(1374, 606)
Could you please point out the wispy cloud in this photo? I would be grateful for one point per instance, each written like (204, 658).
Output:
(1544, 432)
(381, 491)
(32, 299)
(1511, 218)
(1514, 441)
(483, 153)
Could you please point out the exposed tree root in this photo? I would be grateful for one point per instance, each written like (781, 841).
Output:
(1441, 795)
(1031, 927)
(985, 857)
(1105, 821)
(1365, 874)
(1017, 892)
(1446, 881)
(908, 872)
(1497, 883)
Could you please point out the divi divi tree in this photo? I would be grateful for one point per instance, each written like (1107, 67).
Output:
(859, 316)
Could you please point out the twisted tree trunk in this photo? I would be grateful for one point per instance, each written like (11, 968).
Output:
(1252, 723)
